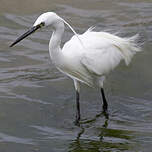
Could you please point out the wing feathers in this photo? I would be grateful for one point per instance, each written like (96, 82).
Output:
(102, 51)
(108, 53)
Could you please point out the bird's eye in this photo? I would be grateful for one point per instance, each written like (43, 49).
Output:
(42, 24)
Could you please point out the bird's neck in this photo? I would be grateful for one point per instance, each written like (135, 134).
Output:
(55, 41)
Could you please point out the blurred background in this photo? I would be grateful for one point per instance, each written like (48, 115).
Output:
(37, 102)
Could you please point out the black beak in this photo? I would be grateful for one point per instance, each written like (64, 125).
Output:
(30, 31)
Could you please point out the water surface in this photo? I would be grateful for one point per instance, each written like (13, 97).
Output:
(37, 102)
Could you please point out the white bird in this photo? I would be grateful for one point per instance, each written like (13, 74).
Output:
(86, 58)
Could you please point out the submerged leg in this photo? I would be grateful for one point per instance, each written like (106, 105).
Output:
(77, 87)
(78, 108)
(105, 104)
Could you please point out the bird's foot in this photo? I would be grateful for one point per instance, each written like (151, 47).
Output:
(77, 122)
(105, 107)
(105, 113)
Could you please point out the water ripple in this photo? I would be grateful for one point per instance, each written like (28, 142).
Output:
(8, 138)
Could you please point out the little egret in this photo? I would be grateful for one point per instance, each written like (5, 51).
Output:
(86, 58)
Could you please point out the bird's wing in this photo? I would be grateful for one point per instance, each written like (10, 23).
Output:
(100, 52)
(104, 51)
(102, 61)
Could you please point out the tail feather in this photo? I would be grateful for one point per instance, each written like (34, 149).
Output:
(129, 47)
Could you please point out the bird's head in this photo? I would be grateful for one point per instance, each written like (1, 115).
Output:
(49, 18)
(46, 19)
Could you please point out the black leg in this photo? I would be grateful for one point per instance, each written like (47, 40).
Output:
(78, 108)
(105, 104)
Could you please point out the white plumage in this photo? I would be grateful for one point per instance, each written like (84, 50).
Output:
(88, 57)
(96, 55)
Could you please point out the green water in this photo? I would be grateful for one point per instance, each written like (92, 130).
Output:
(37, 102)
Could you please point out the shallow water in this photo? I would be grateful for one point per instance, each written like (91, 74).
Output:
(37, 103)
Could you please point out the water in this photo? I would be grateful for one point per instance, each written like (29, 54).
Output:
(37, 104)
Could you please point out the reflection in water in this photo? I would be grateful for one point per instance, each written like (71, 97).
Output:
(104, 114)
(33, 93)
(108, 139)
(79, 144)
